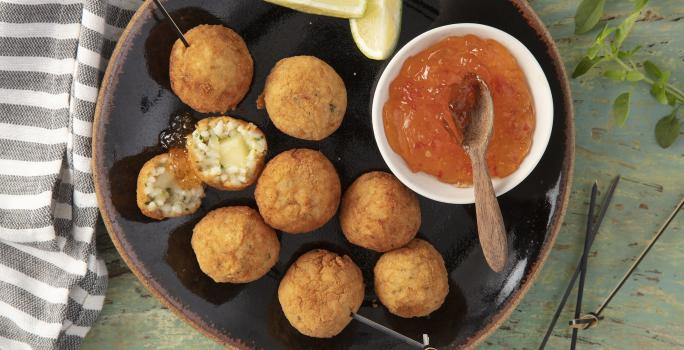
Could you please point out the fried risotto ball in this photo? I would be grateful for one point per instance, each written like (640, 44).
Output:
(166, 189)
(379, 213)
(214, 73)
(319, 293)
(227, 153)
(298, 191)
(411, 281)
(233, 244)
(305, 98)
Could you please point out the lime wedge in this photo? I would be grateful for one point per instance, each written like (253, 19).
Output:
(376, 33)
(333, 8)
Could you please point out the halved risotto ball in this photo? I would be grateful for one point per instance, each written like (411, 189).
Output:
(160, 194)
(305, 98)
(227, 153)
(298, 191)
(379, 213)
(214, 73)
(233, 244)
(411, 281)
(319, 293)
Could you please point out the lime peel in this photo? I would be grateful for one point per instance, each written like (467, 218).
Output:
(377, 32)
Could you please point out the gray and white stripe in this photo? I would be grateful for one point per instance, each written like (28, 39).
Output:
(52, 58)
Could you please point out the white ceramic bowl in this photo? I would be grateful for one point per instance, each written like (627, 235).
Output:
(428, 185)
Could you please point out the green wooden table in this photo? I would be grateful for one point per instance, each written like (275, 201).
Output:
(649, 311)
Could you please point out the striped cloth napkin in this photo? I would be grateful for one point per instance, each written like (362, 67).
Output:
(53, 54)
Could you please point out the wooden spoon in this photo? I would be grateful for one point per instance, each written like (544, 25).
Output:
(476, 134)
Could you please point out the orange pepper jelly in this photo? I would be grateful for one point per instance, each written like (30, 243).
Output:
(418, 118)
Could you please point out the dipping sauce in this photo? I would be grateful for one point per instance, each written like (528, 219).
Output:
(418, 118)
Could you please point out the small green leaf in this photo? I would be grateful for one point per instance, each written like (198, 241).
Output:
(588, 14)
(634, 75)
(603, 34)
(621, 108)
(620, 36)
(614, 48)
(667, 130)
(584, 65)
(623, 55)
(617, 75)
(652, 70)
(664, 77)
(594, 50)
(625, 28)
(671, 99)
(658, 91)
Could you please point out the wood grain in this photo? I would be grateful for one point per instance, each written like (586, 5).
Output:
(490, 224)
(649, 311)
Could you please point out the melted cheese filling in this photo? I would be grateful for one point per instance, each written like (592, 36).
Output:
(228, 150)
(233, 152)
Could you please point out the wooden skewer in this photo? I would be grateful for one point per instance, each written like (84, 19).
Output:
(591, 319)
(175, 26)
(571, 284)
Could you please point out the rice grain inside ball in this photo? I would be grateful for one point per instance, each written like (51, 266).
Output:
(227, 153)
(160, 194)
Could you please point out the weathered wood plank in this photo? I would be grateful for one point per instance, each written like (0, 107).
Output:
(649, 311)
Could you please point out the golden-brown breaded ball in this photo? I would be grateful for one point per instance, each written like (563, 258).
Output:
(298, 191)
(319, 293)
(379, 213)
(160, 194)
(214, 73)
(411, 281)
(305, 98)
(233, 244)
(227, 153)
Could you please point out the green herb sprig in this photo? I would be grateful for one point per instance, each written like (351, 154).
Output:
(607, 51)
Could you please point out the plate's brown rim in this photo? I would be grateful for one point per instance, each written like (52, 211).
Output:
(533, 20)
(154, 288)
(568, 169)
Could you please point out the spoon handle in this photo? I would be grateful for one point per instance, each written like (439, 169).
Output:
(490, 225)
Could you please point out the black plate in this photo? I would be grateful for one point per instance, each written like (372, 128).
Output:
(136, 103)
